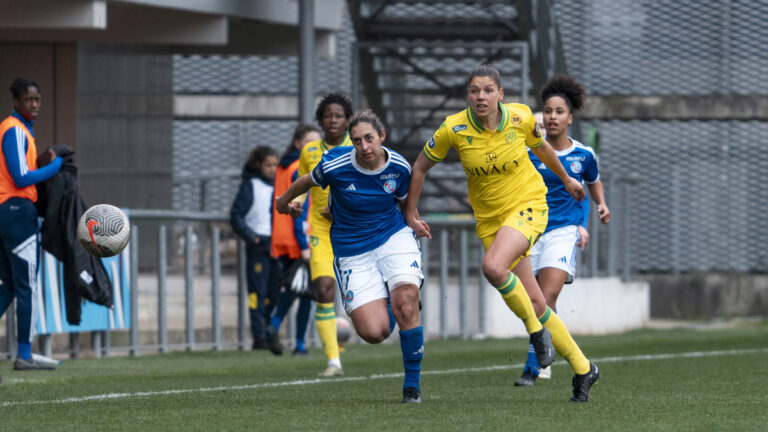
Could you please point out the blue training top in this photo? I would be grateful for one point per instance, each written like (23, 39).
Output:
(364, 203)
(580, 163)
(14, 147)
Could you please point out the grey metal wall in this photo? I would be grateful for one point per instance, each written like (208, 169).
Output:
(666, 47)
(701, 202)
(221, 146)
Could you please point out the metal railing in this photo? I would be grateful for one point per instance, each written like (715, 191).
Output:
(451, 264)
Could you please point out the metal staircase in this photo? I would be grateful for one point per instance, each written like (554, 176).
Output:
(412, 59)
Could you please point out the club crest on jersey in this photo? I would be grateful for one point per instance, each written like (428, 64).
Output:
(459, 128)
(490, 157)
(389, 186)
(515, 120)
(431, 142)
(510, 137)
(576, 167)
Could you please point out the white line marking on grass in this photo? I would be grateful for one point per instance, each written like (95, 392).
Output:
(112, 396)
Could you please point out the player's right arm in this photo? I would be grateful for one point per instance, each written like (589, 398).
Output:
(285, 203)
(433, 152)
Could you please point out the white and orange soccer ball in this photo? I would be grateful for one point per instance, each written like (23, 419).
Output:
(104, 230)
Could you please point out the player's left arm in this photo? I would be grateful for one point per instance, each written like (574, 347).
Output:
(598, 196)
(547, 155)
(595, 186)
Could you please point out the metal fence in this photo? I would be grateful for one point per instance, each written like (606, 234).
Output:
(198, 283)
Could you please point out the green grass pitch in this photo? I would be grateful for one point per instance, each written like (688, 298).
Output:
(652, 380)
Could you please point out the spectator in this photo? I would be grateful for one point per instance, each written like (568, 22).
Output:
(18, 216)
(251, 219)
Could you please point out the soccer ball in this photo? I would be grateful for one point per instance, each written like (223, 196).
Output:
(103, 230)
(343, 330)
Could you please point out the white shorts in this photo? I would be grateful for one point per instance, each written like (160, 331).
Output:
(557, 249)
(369, 276)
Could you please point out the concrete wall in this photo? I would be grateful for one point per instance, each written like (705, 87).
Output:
(708, 295)
(588, 306)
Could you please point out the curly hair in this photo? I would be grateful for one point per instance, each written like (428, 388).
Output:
(566, 87)
(333, 98)
(20, 86)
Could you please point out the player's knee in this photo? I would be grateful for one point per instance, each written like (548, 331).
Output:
(406, 311)
(324, 289)
(494, 271)
(374, 336)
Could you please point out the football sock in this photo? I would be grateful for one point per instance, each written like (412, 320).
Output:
(564, 343)
(276, 321)
(25, 350)
(325, 320)
(392, 321)
(412, 345)
(532, 363)
(514, 295)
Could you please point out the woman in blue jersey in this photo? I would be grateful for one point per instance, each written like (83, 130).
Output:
(553, 257)
(377, 256)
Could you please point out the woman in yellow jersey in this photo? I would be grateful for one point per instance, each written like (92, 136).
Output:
(332, 114)
(508, 198)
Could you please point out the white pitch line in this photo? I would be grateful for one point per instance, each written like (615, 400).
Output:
(111, 396)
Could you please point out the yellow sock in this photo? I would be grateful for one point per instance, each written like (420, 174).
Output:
(325, 319)
(564, 343)
(514, 295)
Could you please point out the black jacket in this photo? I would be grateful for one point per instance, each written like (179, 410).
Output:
(61, 205)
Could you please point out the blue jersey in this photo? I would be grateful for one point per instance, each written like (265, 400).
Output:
(580, 163)
(364, 203)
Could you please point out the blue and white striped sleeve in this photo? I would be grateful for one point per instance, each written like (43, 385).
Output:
(15, 154)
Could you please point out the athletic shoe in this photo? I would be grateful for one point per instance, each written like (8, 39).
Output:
(273, 341)
(546, 373)
(298, 352)
(526, 380)
(331, 371)
(31, 364)
(411, 395)
(259, 344)
(582, 383)
(542, 344)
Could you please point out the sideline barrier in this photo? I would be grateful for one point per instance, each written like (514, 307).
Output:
(52, 316)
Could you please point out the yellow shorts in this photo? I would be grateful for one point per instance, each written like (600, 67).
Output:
(529, 219)
(321, 254)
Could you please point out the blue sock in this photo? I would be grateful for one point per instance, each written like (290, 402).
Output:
(300, 346)
(532, 363)
(302, 318)
(412, 345)
(25, 350)
(392, 320)
(276, 321)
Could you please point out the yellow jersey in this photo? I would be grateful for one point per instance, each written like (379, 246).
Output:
(309, 158)
(500, 175)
